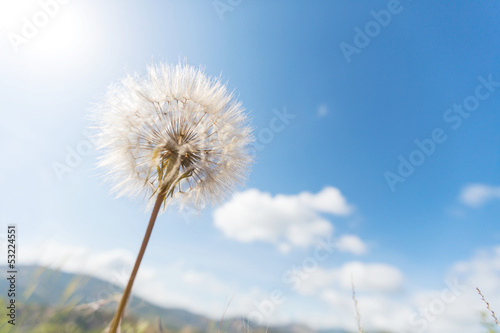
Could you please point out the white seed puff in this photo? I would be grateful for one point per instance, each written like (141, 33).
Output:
(175, 112)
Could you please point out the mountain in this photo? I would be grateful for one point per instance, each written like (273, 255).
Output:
(43, 292)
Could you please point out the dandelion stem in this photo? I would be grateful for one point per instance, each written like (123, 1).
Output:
(126, 293)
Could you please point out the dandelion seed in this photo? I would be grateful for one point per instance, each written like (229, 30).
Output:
(175, 135)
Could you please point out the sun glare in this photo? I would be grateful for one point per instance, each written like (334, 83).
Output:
(48, 30)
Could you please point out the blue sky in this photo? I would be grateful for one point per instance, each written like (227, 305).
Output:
(351, 118)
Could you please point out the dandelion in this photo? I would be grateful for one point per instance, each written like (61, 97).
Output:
(174, 135)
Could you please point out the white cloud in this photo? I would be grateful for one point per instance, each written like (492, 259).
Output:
(456, 306)
(352, 244)
(204, 280)
(477, 195)
(386, 303)
(329, 200)
(367, 277)
(322, 111)
(482, 271)
(193, 278)
(284, 220)
(317, 281)
(378, 286)
(373, 277)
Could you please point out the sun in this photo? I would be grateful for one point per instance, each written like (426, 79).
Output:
(52, 30)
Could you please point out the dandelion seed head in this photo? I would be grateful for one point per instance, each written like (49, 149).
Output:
(175, 128)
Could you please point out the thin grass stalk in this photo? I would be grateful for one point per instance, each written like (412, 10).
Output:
(488, 307)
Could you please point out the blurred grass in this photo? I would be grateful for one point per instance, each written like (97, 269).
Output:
(488, 324)
(69, 313)
(34, 318)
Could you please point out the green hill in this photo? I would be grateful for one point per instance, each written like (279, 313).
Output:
(54, 301)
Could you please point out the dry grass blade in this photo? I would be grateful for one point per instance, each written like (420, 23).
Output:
(358, 315)
(224, 313)
(160, 327)
(488, 306)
